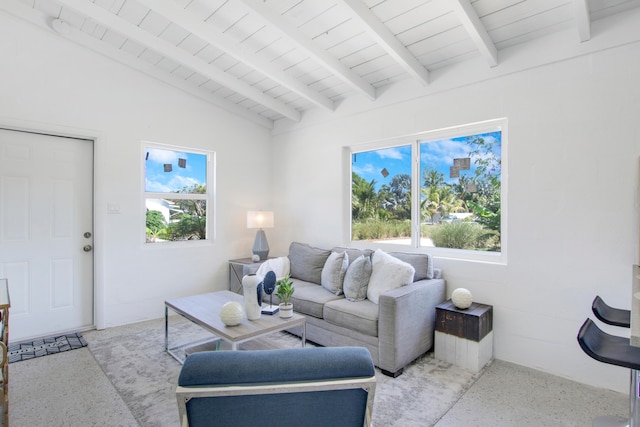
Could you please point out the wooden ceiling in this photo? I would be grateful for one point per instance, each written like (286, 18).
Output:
(271, 60)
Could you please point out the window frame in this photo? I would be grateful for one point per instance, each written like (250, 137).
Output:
(415, 140)
(209, 197)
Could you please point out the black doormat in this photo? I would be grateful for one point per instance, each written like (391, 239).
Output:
(45, 346)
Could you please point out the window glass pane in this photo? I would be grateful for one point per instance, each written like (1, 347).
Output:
(169, 171)
(381, 195)
(460, 192)
(175, 220)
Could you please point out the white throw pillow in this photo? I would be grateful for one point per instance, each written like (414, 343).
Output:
(280, 266)
(387, 273)
(333, 272)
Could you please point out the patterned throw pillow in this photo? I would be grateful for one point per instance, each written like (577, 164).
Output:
(356, 279)
(333, 272)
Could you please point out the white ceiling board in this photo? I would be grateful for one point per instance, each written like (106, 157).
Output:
(193, 44)
(151, 56)
(132, 12)
(421, 19)
(301, 54)
(154, 23)
(112, 6)
(476, 30)
(391, 10)
(49, 7)
(133, 48)
(114, 39)
(386, 40)
(528, 28)
(72, 18)
(182, 73)
(439, 41)
(174, 34)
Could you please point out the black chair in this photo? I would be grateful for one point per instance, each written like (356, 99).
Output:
(618, 351)
(610, 315)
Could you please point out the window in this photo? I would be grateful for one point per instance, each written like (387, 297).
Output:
(177, 193)
(440, 189)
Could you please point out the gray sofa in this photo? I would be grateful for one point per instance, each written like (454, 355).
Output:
(396, 330)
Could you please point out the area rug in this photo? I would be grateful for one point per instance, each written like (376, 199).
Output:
(134, 360)
(45, 346)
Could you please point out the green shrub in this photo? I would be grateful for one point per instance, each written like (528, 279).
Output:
(374, 229)
(457, 235)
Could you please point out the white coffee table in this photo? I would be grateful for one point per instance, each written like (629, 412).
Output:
(204, 311)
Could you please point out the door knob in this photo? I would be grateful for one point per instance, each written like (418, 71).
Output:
(87, 248)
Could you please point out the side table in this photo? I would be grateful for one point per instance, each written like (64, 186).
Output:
(464, 337)
(236, 267)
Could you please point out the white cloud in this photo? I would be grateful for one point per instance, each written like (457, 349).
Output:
(364, 170)
(164, 156)
(444, 151)
(390, 153)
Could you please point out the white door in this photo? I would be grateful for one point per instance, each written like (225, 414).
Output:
(46, 232)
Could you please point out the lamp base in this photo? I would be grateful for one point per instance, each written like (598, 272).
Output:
(260, 245)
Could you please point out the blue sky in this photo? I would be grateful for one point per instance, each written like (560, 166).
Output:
(157, 180)
(437, 154)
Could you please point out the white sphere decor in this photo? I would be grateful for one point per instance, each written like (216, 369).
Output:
(232, 313)
(461, 298)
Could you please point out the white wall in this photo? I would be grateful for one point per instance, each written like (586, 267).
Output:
(573, 147)
(573, 144)
(49, 83)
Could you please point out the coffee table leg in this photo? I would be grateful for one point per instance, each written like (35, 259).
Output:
(166, 328)
(304, 334)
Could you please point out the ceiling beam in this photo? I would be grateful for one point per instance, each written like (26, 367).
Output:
(192, 23)
(183, 57)
(35, 17)
(381, 34)
(471, 22)
(583, 19)
(302, 41)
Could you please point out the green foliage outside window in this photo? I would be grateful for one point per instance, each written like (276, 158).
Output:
(462, 212)
(187, 220)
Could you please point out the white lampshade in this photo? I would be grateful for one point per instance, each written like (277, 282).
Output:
(259, 219)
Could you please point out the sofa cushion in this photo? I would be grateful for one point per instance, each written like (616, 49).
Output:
(354, 253)
(361, 316)
(311, 298)
(387, 273)
(307, 262)
(356, 279)
(333, 272)
(422, 263)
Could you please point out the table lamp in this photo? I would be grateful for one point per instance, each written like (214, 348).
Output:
(260, 220)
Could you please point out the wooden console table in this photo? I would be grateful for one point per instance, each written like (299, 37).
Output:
(5, 303)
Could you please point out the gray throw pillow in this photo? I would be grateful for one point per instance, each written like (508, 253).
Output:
(307, 262)
(422, 263)
(333, 272)
(353, 253)
(356, 279)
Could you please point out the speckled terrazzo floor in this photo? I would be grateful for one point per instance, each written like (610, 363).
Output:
(124, 378)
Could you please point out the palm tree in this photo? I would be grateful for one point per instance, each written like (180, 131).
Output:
(364, 197)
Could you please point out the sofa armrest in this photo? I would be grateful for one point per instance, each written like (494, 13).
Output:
(406, 322)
